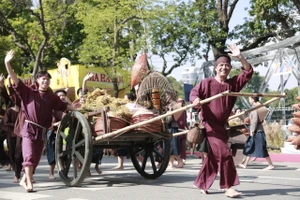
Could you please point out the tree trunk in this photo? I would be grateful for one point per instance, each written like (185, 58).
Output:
(115, 55)
(116, 87)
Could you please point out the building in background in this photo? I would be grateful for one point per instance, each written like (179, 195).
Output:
(191, 75)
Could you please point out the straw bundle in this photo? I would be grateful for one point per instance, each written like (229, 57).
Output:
(98, 98)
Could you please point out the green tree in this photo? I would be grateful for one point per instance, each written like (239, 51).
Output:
(178, 86)
(268, 19)
(173, 35)
(111, 27)
(28, 27)
(291, 95)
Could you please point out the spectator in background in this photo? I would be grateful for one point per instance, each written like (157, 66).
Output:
(173, 128)
(182, 124)
(14, 140)
(51, 133)
(259, 136)
(4, 100)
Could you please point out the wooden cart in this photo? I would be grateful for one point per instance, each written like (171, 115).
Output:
(75, 142)
(74, 145)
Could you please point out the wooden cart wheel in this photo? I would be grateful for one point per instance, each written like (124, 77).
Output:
(151, 160)
(73, 148)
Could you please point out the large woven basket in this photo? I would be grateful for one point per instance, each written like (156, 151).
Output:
(196, 134)
(113, 124)
(154, 127)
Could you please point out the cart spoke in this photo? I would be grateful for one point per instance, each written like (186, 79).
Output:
(145, 160)
(67, 166)
(74, 167)
(153, 162)
(80, 143)
(138, 151)
(72, 126)
(79, 156)
(78, 129)
(63, 135)
(158, 154)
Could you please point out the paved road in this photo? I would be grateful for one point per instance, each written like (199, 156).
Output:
(280, 184)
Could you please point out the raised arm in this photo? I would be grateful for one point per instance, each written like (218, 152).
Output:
(235, 52)
(85, 79)
(9, 56)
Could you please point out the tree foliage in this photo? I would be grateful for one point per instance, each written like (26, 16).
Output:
(112, 33)
(268, 19)
(291, 95)
(178, 86)
(173, 33)
(30, 28)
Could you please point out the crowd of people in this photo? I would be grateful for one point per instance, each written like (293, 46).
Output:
(32, 115)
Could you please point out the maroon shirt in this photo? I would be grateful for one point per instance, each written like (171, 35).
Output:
(37, 107)
(215, 113)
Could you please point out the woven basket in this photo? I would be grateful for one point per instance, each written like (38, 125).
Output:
(196, 134)
(113, 124)
(154, 127)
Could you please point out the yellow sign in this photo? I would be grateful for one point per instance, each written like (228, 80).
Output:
(71, 77)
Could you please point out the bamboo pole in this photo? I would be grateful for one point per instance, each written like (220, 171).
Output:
(254, 108)
(237, 115)
(237, 94)
(125, 129)
(180, 133)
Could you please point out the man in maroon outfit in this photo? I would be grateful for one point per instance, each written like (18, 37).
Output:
(214, 116)
(37, 104)
(14, 141)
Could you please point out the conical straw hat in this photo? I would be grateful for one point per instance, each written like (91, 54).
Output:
(139, 69)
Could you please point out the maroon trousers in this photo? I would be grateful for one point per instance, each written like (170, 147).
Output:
(32, 151)
(219, 158)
